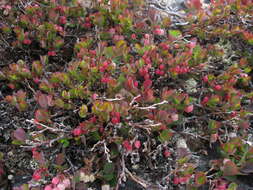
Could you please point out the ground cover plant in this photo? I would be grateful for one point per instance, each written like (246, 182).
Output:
(114, 95)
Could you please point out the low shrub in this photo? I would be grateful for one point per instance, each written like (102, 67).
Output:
(112, 92)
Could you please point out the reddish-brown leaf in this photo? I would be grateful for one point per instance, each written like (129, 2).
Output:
(43, 101)
(229, 168)
(196, 4)
(60, 159)
(19, 134)
(42, 115)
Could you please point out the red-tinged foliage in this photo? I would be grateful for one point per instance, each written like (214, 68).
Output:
(229, 168)
(37, 175)
(20, 134)
(127, 145)
(55, 180)
(147, 84)
(180, 180)
(48, 187)
(218, 87)
(38, 156)
(196, 4)
(166, 153)
(51, 53)
(137, 144)
(108, 78)
(77, 131)
(42, 115)
(189, 109)
(27, 41)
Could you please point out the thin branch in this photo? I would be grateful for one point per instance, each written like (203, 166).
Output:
(134, 99)
(154, 106)
(137, 179)
(32, 121)
(107, 153)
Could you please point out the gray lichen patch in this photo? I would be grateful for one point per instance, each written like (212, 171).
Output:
(191, 86)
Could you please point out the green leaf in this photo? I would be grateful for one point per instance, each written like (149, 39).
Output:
(1, 156)
(109, 52)
(229, 148)
(17, 142)
(200, 178)
(196, 52)
(121, 78)
(83, 111)
(175, 33)
(165, 135)
(232, 186)
(108, 177)
(108, 168)
(25, 187)
(95, 136)
(64, 142)
(213, 126)
(213, 101)
(109, 173)
(247, 69)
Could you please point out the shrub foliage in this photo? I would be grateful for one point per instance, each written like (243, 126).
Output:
(117, 88)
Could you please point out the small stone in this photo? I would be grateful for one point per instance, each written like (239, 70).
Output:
(181, 143)
(105, 187)
(92, 178)
(135, 166)
(232, 135)
(10, 177)
(84, 178)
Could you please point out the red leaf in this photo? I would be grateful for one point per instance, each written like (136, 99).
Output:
(188, 109)
(137, 144)
(196, 4)
(77, 131)
(147, 83)
(38, 156)
(19, 134)
(37, 175)
(127, 145)
(148, 95)
(245, 2)
(166, 153)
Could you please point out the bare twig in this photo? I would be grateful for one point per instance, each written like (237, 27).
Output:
(29, 86)
(32, 144)
(137, 179)
(134, 99)
(107, 153)
(97, 144)
(32, 121)
(154, 106)
(111, 99)
(122, 175)
(106, 150)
